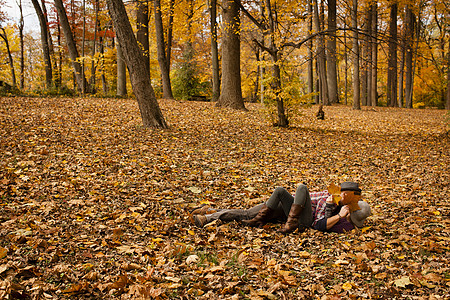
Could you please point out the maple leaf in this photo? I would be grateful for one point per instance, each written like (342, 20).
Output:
(335, 191)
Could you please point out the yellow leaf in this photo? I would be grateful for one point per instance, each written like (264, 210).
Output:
(437, 213)
(364, 229)
(3, 252)
(335, 191)
(191, 232)
(347, 286)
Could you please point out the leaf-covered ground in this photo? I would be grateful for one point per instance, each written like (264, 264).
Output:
(95, 206)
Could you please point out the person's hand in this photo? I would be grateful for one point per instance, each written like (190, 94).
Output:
(345, 211)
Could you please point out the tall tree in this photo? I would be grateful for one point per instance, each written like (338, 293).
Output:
(402, 70)
(391, 89)
(331, 53)
(409, 36)
(231, 92)
(45, 44)
(447, 102)
(214, 51)
(22, 55)
(142, 88)
(374, 41)
(321, 57)
(163, 56)
(72, 47)
(4, 36)
(54, 63)
(142, 31)
(121, 71)
(355, 50)
(310, 52)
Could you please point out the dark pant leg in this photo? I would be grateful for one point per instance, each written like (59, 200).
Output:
(228, 215)
(303, 198)
(283, 197)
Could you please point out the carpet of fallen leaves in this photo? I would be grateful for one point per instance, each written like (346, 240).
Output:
(95, 206)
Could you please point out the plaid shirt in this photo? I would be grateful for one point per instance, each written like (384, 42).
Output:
(318, 204)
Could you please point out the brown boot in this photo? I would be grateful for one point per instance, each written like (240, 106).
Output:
(203, 210)
(262, 217)
(293, 219)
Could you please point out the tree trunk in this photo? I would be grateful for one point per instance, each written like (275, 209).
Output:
(447, 103)
(73, 52)
(92, 80)
(310, 53)
(142, 31)
(170, 33)
(355, 49)
(83, 39)
(331, 53)
(409, 35)
(45, 44)
(163, 58)
(346, 69)
(374, 72)
(59, 71)
(121, 72)
(402, 72)
(214, 51)
(369, 55)
(10, 59)
(391, 91)
(321, 59)
(22, 65)
(102, 66)
(148, 106)
(231, 93)
(54, 62)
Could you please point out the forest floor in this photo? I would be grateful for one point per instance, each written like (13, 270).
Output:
(94, 206)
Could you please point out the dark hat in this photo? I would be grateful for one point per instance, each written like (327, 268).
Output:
(350, 186)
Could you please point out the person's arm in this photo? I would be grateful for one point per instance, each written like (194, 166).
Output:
(329, 207)
(343, 213)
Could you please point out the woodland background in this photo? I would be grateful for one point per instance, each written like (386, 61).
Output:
(401, 56)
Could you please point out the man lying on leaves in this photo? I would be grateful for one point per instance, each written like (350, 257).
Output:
(325, 211)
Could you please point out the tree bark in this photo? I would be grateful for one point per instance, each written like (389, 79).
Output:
(402, 71)
(142, 31)
(121, 72)
(45, 44)
(73, 52)
(310, 53)
(346, 69)
(163, 58)
(10, 59)
(148, 106)
(22, 65)
(214, 51)
(231, 93)
(409, 36)
(447, 102)
(373, 81)
(331, 53)
(391, 89)
(369, 55)
(54, 62)
(355, 49)
(321, 59)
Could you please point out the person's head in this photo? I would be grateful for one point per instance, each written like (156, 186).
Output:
(350, 192)
(359, 216)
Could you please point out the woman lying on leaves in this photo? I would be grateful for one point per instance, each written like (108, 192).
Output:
(324, 211)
